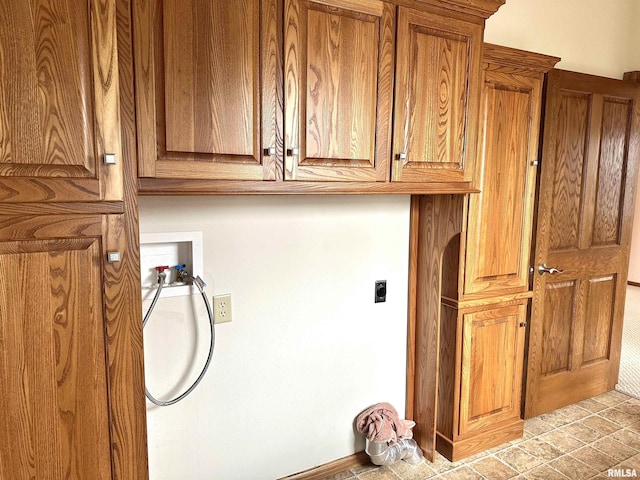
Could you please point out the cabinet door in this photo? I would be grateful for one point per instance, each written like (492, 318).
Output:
(59, 105)
(338, 83)
(206, 88)
(53, 363)
(501, 215)
(491, 372)
(436, 100)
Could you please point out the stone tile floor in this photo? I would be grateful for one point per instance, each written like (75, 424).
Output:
(578, 442)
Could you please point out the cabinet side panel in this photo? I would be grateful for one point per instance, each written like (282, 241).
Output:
(447, 371)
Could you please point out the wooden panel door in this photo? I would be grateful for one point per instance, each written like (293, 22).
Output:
(59, 105)
(206, 89)
(436, 97)
(501, 215)
(53, 361)
(591, 150)
(491, 371)
(338, 83)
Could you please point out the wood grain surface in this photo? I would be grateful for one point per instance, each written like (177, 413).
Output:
(59, 101)
(609, 188)
(500, 217)
(591, 150)
(338, 79)
(211, 56)
(485, 273)
(53, 368)
(491, 377)
(499, 226)
(166, 186)
(437, 97)
(330, 62)
(122, 285)
(439, 219)
(205, 73)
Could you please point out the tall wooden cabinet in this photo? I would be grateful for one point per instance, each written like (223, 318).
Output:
(70, 327)
(298, 95)
(486, 286)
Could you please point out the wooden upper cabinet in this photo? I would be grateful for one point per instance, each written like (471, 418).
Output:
(303, 90)
(205, 73)
(437, 96)
(59, 101)
(500, 216)
(338, 84)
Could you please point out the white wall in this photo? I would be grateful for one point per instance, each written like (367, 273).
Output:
(308, 348)
(591, 36)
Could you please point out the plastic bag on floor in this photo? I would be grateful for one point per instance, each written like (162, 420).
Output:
(388, 437)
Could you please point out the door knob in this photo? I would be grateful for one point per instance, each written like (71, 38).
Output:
(542, 269)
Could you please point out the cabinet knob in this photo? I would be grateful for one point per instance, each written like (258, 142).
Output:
(291, 152)
(523, 324)
(402, 156)
(109, 158)
(271, 151)
(534, 163)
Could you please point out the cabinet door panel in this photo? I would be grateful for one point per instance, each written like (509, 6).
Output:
(436, 97)
(53, 371)
(500, 216)
(339, 66)
(59, 104)
(492, 356)
(210, 59)
(206, 88)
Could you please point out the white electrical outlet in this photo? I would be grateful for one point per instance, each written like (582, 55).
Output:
(222, 308)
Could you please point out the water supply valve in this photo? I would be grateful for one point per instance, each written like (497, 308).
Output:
(181, 271)
(161, 275)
